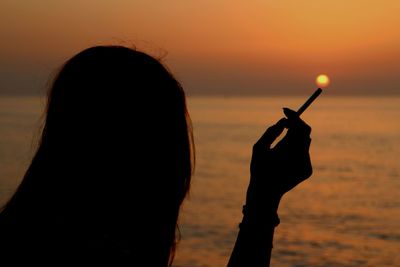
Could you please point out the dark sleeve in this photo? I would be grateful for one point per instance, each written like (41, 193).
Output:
(254, 242)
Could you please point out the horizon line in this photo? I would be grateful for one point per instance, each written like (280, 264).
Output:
(234, 94)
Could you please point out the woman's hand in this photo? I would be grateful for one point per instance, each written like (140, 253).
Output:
(275, 171)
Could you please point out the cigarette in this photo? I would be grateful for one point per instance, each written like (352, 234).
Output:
(309, 101)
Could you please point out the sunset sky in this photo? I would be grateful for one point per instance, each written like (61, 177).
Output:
(213, 46)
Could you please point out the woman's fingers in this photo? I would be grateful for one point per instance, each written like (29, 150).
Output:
(271, 134)
(290, 114)
(295, 124)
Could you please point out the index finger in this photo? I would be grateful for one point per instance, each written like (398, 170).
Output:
(271, 134)
(295, 123)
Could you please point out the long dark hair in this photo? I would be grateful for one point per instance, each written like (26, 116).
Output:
(113, 165)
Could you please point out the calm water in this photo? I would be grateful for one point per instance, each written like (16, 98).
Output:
(346, 214)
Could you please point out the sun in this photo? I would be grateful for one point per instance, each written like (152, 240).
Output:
(322, 80)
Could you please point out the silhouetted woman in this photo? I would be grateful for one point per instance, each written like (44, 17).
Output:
(114, 164)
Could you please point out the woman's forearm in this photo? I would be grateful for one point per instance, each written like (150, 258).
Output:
(252, 248)
(254, 241)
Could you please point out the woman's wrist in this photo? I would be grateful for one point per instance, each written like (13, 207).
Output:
(261, 216)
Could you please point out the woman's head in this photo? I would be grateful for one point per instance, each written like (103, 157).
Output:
(116, 152)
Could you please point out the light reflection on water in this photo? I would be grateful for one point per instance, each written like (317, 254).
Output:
(346, 214)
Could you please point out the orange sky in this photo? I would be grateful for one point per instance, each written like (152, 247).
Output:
(214, 46)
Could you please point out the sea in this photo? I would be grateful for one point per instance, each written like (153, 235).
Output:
(346, 214)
